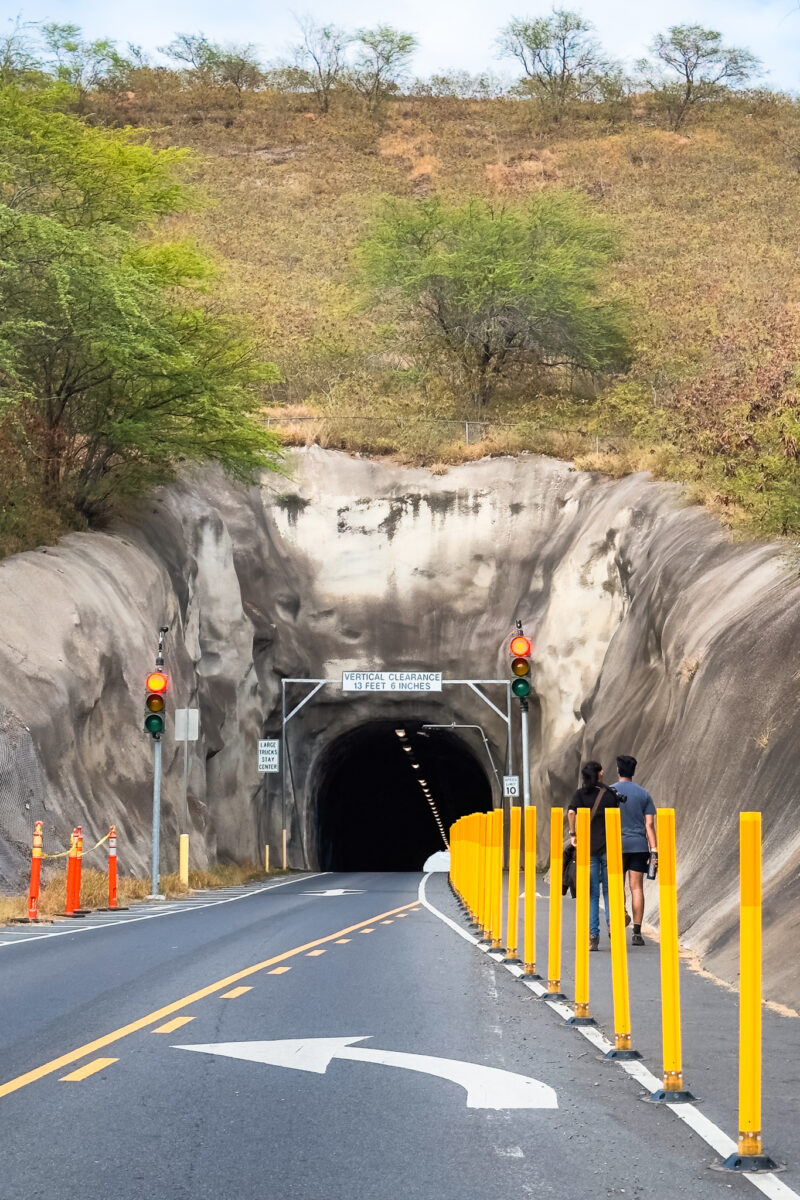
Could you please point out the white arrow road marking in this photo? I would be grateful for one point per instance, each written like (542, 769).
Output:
(486, 1087)
(337, 892)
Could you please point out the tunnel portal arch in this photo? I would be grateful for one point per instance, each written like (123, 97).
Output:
(366, 802)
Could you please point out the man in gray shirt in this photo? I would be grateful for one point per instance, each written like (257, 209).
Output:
(638, 818)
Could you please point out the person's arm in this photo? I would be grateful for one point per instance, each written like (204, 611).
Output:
(571, 818)
(650, 830)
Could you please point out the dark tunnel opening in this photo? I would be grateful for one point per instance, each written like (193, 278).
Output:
(372, 809)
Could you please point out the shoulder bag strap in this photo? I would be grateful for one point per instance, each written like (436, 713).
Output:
(596, 804)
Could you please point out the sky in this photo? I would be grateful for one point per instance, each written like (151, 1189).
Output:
(453, 34)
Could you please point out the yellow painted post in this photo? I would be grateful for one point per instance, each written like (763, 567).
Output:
(183, 859)
(284, 849)
(583, 818)
(623, 1046)
(266, 860)
(750, 983)
(556, 899)
(673, 1090)
(497, 899)
(512, 938)
(530, 893)
(488, 844)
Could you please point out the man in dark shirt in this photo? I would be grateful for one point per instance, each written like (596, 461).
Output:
(638, 837)
(587, 797)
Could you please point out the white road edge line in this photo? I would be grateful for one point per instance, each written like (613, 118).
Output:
(771, 1185)
(152, 916)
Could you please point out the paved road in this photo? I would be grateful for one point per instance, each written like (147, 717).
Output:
(286, 963)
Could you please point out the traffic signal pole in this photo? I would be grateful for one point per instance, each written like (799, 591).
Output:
(154, 723)
(526, 758)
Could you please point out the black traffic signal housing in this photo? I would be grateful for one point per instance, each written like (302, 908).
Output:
(520, 649)
(155, 703)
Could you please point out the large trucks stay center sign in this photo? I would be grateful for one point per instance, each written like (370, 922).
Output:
(391, 681)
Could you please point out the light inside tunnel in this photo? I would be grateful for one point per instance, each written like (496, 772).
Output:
(375, 813)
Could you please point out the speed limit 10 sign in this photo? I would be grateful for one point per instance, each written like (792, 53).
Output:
(511, 786)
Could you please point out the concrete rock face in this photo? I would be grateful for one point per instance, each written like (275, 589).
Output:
(654, 636)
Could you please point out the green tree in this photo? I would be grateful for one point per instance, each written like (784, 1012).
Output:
(504, 290)
(114, 367)
(560, 57)
(320, 59)
(84, 65)
(383, 56)
(693, 66)
(20, 61)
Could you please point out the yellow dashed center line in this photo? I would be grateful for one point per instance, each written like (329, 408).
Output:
(314, 953)
(234, 992)
(387, 922)
(91, 1068)
(367, 931)
(167, 1010)
(279, 971)
(341, 941)
(174, 1024)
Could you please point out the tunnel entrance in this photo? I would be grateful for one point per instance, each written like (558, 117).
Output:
(372, 810)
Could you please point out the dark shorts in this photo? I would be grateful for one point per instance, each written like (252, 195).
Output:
(636, 861)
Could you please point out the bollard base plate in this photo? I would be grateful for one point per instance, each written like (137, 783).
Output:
(621, 1055)
(525, 978)
(78, 913)
(664, 1097)
(580, 1021)
(553, 995)
(116, 908)
(512, 958)
(748, 1162)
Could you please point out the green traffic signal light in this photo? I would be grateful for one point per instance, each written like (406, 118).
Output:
(521, 688)
(154, 723)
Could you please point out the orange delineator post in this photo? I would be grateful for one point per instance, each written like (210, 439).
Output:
(582, 857)
(112, 867)
(556, 900)
(72, 862)
(530, 893)
(512, 938)
(623, 1045)
(497, 881)
(36, 872)
(673, 1091)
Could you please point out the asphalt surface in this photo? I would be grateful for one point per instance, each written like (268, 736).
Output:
(161, 1122)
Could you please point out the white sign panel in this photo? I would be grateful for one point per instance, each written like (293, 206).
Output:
(187, 724)
(268, 755)
(391, 681)
(511, 786)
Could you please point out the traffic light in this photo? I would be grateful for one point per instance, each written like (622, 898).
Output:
(155, 702)
(520, 649)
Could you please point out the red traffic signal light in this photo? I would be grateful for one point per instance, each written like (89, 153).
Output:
(520, 646)
(156, 682)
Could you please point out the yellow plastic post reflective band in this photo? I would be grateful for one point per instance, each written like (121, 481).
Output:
(530, 890)
(497, 898)
(512, 938)
(556, 870)
(583, 819)
(183, 859)
(750, 983)
(619, 949)
(670, 972)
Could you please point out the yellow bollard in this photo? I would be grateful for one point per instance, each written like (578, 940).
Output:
(284, 849)
(486, 901)
(623, 1046)
(266, 859)
(530, 894)
(556, 870)
(673, 1091)
(750, 1154)
(583, 819)
(514, 848)
(497, 882)
(183, 859)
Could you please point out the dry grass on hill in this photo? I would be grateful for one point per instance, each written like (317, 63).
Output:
(709, 221)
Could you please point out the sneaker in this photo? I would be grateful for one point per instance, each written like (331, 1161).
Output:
(627, 917)
(594, 942)
(637, 940)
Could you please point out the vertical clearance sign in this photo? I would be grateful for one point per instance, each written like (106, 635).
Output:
(391, 681)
